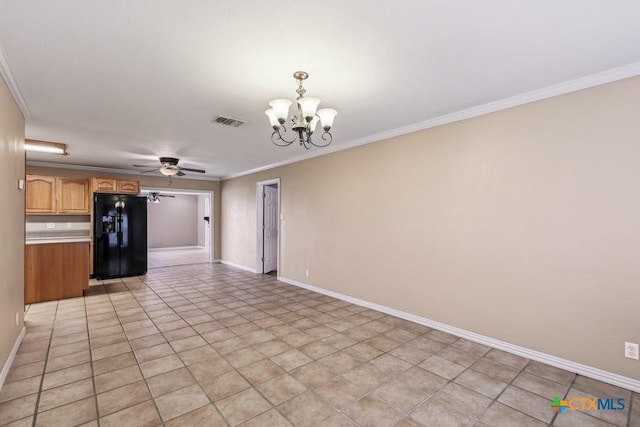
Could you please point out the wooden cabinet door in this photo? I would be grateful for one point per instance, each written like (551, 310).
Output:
(103, 185)
(129, 187)
(31, 294)
(41, 194)
(73, 196)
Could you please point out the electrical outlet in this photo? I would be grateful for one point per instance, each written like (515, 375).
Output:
(306, 272)
(631, 350)
(51, 225)
(69, 225)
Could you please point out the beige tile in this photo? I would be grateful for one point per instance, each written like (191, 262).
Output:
(313, 374)
(580, 419)
(170, 381)
(110, 350)
(307, 409)
(108, 340)
(471, 347)
(598, 388)
(540, 386)
(463, 400)
(120, 398)
(142, 332)
(442, 337)
(341, 420)
(180, 402)
(291, 359)
(152, 353)
(340, 392)
(205, 416)
(260, 371)
(25, 371)
(481, 383)
(229, 345)
(281, 388)
(118, 378)
(209, 369)
(68, 393)
(75, 413)
(458, 357)
(273, 347)
(340, 362)
(442, 367)
(399, 395)
(505, 358)
(113, 363)
(494, 370)
(224, 385)
(20, 388)
(18, 408)
(617, 417)
(410, 354)
(161, 365)
(500, 415)
(189, 357)
(529, 403)
(29, 357)
(243, 357)
(188, 343)
(436, 413)
(242, 406)
(141, 415)
(370, 411)
(147, 341)
(271, 418)
(426, 344)
(550, 373)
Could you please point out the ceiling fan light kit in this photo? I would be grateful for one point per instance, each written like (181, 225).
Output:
(169, 167)
(304, 123)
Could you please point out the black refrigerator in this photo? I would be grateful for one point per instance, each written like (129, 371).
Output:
(119, 235)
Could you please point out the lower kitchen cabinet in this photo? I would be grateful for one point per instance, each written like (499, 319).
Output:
(55, 271)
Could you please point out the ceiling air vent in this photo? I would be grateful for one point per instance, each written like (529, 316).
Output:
(228, 121)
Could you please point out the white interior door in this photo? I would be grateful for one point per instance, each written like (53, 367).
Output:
(207, 225)
(270, 229)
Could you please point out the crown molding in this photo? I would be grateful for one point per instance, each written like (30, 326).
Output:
(5, 71)
(110, 170)
(612, 75)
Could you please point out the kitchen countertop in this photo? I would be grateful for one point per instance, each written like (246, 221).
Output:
(50, 240)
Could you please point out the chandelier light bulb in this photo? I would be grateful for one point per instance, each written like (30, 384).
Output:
(326, 117)
(280, 109)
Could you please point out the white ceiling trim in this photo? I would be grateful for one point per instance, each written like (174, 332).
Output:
(111, 170)
(5, 71)
(615, 74)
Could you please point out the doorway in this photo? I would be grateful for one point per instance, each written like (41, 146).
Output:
(179, 225)
(268, 226)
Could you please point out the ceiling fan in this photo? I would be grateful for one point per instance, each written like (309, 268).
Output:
(154, 197)
(169, 167)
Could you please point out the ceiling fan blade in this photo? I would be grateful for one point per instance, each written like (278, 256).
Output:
(143, 166)
(151, 170)
(165, 195)
(180, 173)
(193, 170)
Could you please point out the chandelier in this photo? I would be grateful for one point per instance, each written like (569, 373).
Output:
(304, 123)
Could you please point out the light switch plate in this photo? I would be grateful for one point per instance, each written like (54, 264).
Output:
(21, 184)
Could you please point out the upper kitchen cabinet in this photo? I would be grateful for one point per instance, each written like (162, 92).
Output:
(56, 195)
(41, 194)
(73, 196)
(128, 187)
(109, 185)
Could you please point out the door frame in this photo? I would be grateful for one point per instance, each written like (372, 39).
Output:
(259, 221)
(145, 190)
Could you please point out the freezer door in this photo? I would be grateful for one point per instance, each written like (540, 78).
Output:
(133, 235)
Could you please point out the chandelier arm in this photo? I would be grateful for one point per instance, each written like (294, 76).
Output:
(324, 138)
(277, 136)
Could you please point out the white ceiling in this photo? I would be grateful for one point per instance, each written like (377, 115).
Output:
(123, 81)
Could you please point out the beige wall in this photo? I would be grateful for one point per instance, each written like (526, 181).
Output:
(522, 225)
(11, 223)
(173, 222)
(149, 181)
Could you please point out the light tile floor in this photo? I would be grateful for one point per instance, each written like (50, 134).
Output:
(178, 256)
(210, 345)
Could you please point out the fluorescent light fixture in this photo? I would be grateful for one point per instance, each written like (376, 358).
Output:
(45, 146)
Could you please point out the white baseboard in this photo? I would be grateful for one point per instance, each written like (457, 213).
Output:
(241, 267)
(558, 362)
(174, 248)
(12, 355)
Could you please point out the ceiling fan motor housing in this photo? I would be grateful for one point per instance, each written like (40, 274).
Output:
(169, 161)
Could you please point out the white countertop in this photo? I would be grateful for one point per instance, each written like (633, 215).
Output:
(50, 240)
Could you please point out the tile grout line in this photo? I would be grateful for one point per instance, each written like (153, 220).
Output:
(44, 368)
(93, 374)
(573, 381)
